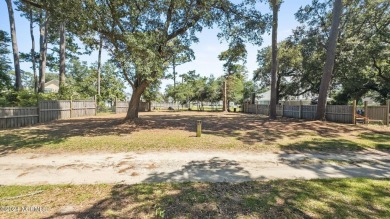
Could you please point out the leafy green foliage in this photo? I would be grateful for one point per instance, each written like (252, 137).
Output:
(111, 85)
(145, 37)
(24, 98)
(5, 67)
(235, 87)
(361, 64)
(152, 92)
(292, 78)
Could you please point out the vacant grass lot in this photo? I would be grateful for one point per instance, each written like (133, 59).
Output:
(335, 198)
(176, 131)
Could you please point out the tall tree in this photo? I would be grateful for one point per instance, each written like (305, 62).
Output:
(62, 56)
(180, 55)
(18, 77)
(43, 33)
(233, 56)
(99, 67)
(275, 6)
(330, 60)
(31, 15)
(33, 50)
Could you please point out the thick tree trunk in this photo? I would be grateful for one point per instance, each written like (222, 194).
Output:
(18, 76)
(330, 57)
(43, 24)
(274, 68)
(132, 112)
(62, 57)
(33, 52)
(99, 64)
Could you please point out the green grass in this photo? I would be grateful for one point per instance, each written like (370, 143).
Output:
(183, 140)
(176, 131)
(326, 198)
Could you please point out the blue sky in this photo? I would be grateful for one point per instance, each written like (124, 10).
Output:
(206, 51)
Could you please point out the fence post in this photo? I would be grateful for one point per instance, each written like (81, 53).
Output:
(71, 106)
(365, 112)
(256, 108)
(269, 110)
(354, 112)
(39, 110)
(96, 106)
(116, 104)
(388, 112)
(283, 110)
(300, 109)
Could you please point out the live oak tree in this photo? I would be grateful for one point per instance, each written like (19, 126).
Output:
(139, 32)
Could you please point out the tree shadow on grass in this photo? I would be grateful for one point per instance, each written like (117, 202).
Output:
(249, 129)
(13, 142)
(335, 158)
(346, 198)
(381, 140)
(323, 145)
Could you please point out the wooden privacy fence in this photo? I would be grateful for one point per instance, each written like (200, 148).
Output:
(64, 109)
(11, 117)
(342, 114)
(334, 113)
(377, 113)
(47, 110)
(123, 106)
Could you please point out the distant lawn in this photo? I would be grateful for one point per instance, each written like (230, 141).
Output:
(330, 198)
(176, 131)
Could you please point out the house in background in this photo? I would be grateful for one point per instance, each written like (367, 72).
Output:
(52, 86)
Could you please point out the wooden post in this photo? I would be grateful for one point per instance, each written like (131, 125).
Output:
(116, 104)
(71, 106)
(300, 109)
(365, 112)
(96, 106)
(39, 110)
(198, 128)
(282, 110)
(354, 112)
(388, 112)
(256, 108)
(269, 110)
